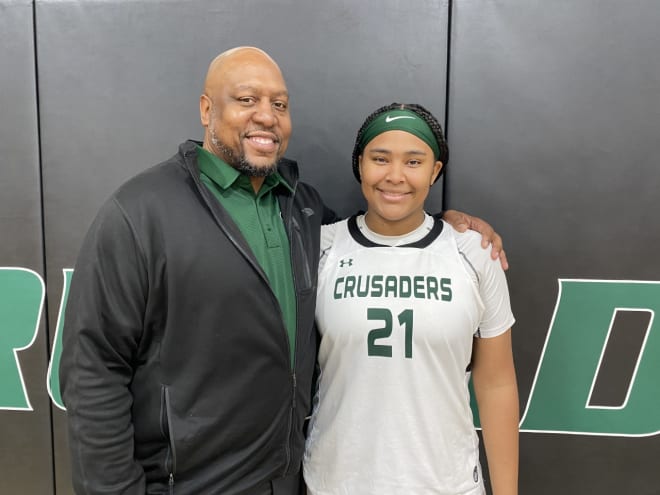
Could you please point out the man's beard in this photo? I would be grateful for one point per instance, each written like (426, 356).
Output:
(240, 162)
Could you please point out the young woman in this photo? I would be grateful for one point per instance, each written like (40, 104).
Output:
(408, 309)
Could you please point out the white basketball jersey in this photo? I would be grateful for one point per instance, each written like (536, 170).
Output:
(392, 411)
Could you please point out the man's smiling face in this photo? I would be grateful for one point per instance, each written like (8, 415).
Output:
(245, 110)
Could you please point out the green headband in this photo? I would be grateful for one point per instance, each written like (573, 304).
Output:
(400, 120)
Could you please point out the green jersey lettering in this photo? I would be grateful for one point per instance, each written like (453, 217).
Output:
(432, 288)
(445, 285)
(405, 286)
(418, 284)
(363, 286)
(377, 286)
(349, 287)
(338, 283)
(390, 286)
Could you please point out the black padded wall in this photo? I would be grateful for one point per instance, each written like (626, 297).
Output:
(554, 115)
(25, 427)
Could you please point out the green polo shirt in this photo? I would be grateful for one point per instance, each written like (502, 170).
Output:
(258, 217)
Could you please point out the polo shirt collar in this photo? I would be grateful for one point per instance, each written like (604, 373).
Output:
(226, 176)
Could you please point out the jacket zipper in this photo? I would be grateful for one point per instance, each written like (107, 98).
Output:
(303, 253)
(289, 442)
(166, 425)
(290, 224)
(256, 266)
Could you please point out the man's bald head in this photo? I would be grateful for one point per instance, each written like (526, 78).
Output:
(238, 55)
(245, 110)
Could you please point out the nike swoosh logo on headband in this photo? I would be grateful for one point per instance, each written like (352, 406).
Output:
(389, 119)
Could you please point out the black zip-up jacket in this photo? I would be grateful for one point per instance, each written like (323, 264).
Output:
(175, 370)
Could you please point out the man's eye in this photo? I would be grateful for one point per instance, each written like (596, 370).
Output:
(246, 99)
(379, 159)
(414, 163)
(280, 105)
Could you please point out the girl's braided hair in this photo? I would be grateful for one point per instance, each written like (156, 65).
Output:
(419, 110)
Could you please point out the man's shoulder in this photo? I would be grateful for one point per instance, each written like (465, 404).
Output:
(289, 171)
(155, 180)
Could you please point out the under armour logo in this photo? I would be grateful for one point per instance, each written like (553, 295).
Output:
(348, 262)
(308, 212)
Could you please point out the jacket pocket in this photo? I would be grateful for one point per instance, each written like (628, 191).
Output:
(168, 434)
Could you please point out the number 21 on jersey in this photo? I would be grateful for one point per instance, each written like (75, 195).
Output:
(385, 332)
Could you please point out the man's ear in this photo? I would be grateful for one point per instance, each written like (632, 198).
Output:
(360, 166)
(205, 108)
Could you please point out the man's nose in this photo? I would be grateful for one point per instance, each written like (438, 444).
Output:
(265, 115)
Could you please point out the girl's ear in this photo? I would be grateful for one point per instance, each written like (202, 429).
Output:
(436, 171)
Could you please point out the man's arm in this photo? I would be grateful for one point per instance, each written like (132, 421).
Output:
(103, 325)
(462, 222)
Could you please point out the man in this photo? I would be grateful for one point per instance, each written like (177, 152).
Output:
(189, 340)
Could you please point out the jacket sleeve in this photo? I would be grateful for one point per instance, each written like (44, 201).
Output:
(102, 329)
(329, 215)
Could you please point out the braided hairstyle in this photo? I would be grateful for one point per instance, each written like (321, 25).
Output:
(419, 110)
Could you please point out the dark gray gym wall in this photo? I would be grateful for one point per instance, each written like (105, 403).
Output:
(554, 118)
(119, 86)
(554, 111)
(26, 446)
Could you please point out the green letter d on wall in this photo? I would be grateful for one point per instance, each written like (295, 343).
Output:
(561, 397)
